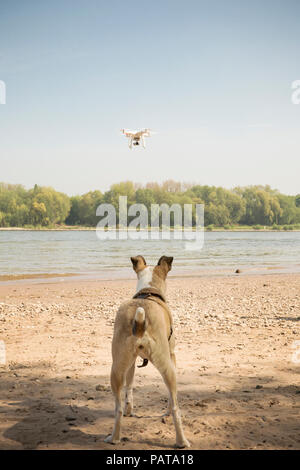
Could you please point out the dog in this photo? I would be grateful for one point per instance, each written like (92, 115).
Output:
(144, 328)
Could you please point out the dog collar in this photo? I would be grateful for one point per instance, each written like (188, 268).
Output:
(150, 291)
(145, 293)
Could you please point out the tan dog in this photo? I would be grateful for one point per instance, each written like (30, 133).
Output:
(143, 327)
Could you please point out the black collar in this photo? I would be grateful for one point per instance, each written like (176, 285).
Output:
(145, 295)
(149, 292)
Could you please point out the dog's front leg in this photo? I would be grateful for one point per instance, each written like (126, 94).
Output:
(169, 409)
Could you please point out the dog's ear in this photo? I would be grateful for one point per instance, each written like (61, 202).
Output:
(138, 263)
(165, 263)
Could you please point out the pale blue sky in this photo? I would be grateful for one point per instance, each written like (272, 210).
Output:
(213, 78)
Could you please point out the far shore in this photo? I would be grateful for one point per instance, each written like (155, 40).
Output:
(70, 228)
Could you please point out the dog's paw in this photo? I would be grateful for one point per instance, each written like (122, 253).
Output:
(182, 444)
(128, 411)
(109, 439)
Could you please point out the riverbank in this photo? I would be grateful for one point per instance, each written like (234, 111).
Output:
(244, 228)
(238, 375)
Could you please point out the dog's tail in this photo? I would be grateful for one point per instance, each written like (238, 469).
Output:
(139, 322)
(139, 327)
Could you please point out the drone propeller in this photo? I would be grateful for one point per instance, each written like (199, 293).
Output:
(150, 131)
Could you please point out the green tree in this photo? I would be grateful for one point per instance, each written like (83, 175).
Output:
(38, 213)
(57, 205)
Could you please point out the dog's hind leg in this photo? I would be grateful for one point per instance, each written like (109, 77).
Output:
(128, 391)
(167, 371)
(117, 378)
(173, 359)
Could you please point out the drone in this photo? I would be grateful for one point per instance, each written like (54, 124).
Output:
(135, 138)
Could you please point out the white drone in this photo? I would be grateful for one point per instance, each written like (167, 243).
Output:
(136, 137)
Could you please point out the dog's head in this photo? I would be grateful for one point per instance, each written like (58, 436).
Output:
(149, 276)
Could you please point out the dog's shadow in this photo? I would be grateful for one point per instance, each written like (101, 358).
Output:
(160, 416)
(63, 413)
(51, 416)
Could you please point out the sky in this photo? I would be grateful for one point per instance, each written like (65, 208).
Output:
(212, 78)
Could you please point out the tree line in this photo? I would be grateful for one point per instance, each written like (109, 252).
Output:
(251, 205)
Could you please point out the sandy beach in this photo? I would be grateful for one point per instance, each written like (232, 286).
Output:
(237, 365)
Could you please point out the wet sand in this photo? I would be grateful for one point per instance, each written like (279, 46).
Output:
(238, 368)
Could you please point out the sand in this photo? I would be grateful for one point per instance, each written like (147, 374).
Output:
(238, 368)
